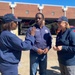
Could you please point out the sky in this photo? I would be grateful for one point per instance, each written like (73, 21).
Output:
(50, 2)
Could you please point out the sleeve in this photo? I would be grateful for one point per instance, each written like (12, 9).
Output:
(71, 47)
(34, 48)
(17, 44)
(49, 42)
(27, 35)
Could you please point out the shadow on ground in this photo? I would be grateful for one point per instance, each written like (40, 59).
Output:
(55, 67)
(53, 71)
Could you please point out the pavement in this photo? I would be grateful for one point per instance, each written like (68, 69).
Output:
(52, 62)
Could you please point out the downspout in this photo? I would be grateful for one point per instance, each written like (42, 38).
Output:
(12, 6)
(40, 8)
(64, 10)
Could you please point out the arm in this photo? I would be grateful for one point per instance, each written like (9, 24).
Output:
(17, 44)
(38, 50)
(49, 42)
(27, 35)
(13, 42)
(70, 48)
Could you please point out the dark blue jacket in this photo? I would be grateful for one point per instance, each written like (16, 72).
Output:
(11, 47)
(43, 38)
(67, 40)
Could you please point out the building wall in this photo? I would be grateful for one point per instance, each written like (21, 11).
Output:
(29, 10)
(70, 12)
(4, 8)
(26, 10)
(52, 11)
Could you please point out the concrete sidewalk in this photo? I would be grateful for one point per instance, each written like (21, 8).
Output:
(52, 62)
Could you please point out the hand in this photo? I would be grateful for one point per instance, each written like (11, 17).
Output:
(45, 50)
(58, 48)
(40, 51)
(33, 31)
(55, 48)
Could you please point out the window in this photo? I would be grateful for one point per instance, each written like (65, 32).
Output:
(53, 13)
(24, 25)
(27, 11)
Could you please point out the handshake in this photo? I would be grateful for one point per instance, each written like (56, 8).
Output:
(40, 51)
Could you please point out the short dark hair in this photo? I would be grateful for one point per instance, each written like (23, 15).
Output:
(40, 14)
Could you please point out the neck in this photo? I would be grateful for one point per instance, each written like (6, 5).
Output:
(63, 30)
(41, 26)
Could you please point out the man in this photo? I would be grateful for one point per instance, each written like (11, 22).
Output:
(38, 53)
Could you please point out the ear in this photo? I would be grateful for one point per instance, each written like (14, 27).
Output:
(43, 22)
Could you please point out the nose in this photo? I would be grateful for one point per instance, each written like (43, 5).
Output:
(37, 20)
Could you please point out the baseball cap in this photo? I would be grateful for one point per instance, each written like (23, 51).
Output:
(10, 17)
(62, 18)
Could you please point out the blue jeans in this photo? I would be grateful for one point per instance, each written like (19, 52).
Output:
(38, 60)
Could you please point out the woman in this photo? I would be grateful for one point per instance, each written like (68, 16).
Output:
(65, 47)
(11, 46)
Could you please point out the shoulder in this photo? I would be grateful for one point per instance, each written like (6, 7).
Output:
(71, 32)
(30, 27)
(47, 28)
(7, 34)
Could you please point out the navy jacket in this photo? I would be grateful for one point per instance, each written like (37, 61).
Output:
(67, 40)
(43, 38)
(11, 47)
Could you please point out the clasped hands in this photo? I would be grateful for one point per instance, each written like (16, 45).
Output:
(40, 51)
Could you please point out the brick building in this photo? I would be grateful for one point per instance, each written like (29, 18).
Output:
(27, 11)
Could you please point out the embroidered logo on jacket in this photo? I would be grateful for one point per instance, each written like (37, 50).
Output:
(73, 30)
(46, 31)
